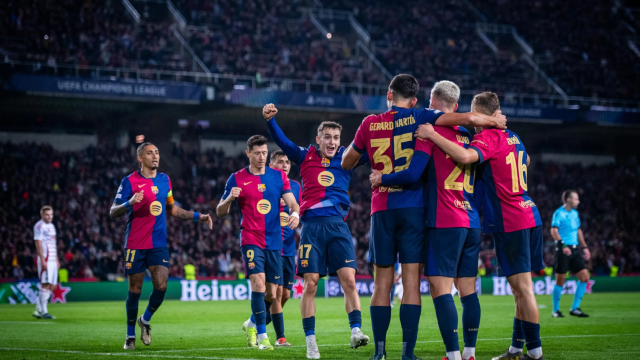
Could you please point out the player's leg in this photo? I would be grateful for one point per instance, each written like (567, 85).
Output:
(254, 264)
(443, 249)
(38, 312)
(411, 232)
(273, 279)
(157, 261)
(341, 259)
(133, 297)
(308, 311)
(522, 287)
(466, 285)
(560, 267)
(277, 318)
(583, 276)
(383, 255)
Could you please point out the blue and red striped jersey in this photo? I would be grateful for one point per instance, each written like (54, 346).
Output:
(389, 142)
(146, 220)
(288, 234)
(259, 203)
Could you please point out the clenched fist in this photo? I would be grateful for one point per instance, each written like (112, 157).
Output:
(269, 111)
(136, 198)
(235, 193)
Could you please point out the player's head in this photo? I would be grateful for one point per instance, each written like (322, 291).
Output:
(46, 214)
(571, 198)
(444, 96)
(485, 103)
(329, 138)
(257, 151)
(148, 156)
(279, 160)
(402, 91)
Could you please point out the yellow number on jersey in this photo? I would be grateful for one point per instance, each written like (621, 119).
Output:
(518, 172)
(250, 255)
(384, 144)
(305, 255)
(133, 255)
(450, 182)
(402, 153)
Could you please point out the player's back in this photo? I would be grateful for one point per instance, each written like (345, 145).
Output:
(46, 232)
(450, 185)
(504, 172)
(389, 142)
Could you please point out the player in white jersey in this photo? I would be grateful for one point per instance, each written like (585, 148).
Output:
(44, 234)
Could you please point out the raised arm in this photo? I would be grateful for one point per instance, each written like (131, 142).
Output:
(293, 152)
(474, 119)
(458, 153)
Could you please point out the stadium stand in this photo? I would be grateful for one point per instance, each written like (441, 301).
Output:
(81, 186)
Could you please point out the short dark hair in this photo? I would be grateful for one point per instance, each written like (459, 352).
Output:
(275, 155)
(45, 208)
(256, 140)
(488, 102)
(567, 194)
(329, 125)
(405, 86)
(142, 146)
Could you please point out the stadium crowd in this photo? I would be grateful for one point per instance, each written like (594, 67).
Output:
(81, 185)
(85, 33)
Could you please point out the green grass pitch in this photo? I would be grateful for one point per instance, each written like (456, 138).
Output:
(212, 330)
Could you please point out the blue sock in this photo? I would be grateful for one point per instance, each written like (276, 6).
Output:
(355, 318)
(259, 311)
(155, 300)
(132, 313)
(380, 319)
(557, 293)
(470, 319)
(267, 305)
(278, 325)
(409, 320)
(531, 334)
(252, 318)
(309, 326)
(517, 341)
(577, 297)
(447, 321)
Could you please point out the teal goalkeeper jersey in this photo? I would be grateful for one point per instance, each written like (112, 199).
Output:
(568, 223)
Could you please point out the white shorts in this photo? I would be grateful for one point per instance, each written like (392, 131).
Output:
(49, 276)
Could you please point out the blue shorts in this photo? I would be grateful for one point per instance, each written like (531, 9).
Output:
(258, 260)
(519, 251)
(288, 271)
(325, 246)
(452, 252)
(137, 261)
(397, 232)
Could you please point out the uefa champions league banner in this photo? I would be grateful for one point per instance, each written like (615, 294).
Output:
(121, 89)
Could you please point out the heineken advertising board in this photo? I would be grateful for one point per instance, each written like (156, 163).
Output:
(26, 292)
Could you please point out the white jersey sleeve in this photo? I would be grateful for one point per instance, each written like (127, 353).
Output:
(37, 231)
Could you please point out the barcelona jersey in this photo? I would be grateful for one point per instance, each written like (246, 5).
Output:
(259, 203)
(288, 234)
(503, 169)
(389, 142)
(146, 220)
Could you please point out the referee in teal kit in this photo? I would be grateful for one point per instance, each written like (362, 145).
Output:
(571, 252)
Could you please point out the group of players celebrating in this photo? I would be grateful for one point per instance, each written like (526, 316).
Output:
(430, 222)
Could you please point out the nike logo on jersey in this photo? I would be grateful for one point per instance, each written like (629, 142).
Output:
(277, 277)
(348, 261)
(139, 186)
(163, 260)
(248, 182)
(290, 283)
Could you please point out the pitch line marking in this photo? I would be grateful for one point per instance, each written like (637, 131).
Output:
(26, 322)
(157, 353)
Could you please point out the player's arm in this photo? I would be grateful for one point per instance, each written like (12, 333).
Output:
(458, 153)
(474, 119)
(555, 233)
(40, 253)
(231, 193)
(407, 176)
(294, 212)
(583, 245)
(119, 210)
(293, 152)
(356, 153)
(528, 160)
(351, 158)
(182, 214)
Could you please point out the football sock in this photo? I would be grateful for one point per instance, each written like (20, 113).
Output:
(267, 305)
(447, 316)
(355, 319)
(409, 320)
(535, 353)
(309, 325)
(262, 336)
(454, 355)
(557, 293)
(155, 300)
(517, 341)
(44, 300)
(380, 319)
(251, 322)
(577, 297)
(132, 313)
(278, 325)
(470, 319)
(468, 352)
(532, 336)
(259, 311)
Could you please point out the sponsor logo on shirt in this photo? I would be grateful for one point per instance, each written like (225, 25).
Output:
(527, 204)
(390, 189)
(513, 140)
(481, 142)
(462, 139)
(263, 206)
(156, 208)
(154, 189)
(284, 219)
(326, 178)
(462, 205)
